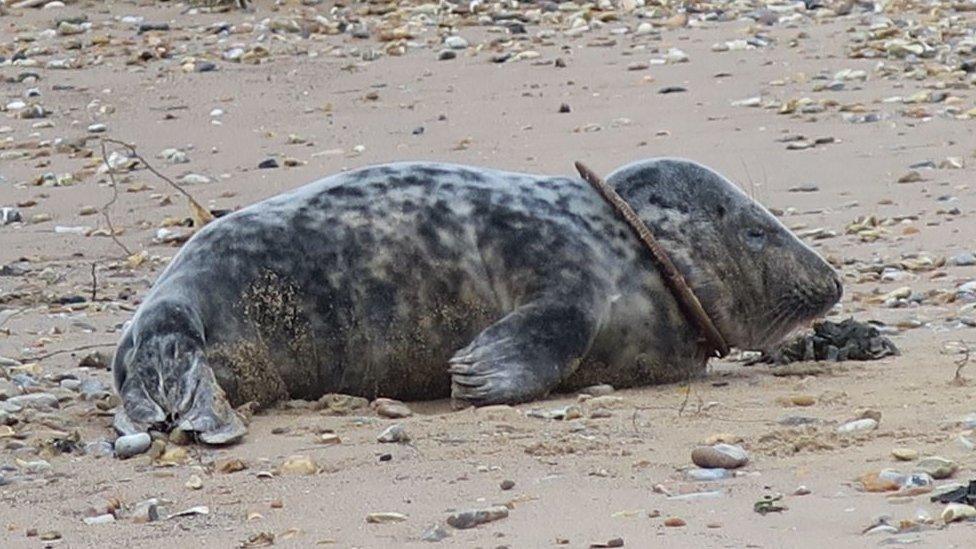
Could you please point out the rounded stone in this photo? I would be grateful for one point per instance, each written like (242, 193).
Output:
(719, 456)
(937, 466)
(456, 42)
(132, 445)
(904, 454)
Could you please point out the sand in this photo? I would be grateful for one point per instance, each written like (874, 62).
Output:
(576, 482)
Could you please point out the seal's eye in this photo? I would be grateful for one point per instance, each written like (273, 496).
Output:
(755, 238)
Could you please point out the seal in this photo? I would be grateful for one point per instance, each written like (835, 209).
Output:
(424, 280)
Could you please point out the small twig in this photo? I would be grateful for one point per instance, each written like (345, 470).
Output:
(203, 213)
(110, 203)
(684, 402)
(71, 350)
(94, 295)
(962, 349)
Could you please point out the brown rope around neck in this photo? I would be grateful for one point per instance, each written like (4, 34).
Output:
(673, 278)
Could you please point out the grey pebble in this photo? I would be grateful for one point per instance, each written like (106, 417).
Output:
(99, 449)
(469, 519)
(10, 215)
(34, 400)
(132, 445)
(964, 259)
(434, 533)
(394, 433)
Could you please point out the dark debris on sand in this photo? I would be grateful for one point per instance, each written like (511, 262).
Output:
(834, 341)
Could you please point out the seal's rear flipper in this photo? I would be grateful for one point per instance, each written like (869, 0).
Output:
(165, 382)
(525, 355)
(211, 415)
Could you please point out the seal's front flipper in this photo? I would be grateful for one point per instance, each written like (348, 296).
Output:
(525, 355)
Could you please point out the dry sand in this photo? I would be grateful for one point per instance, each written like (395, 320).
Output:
(576, 482)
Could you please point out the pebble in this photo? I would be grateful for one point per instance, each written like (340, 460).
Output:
(456, 42)
(808, 188)
(434, 533)
(107, 518)
(394, 433)
(132, 445)
(674, 522)
(38, 401)
(230, 465)
(393, 409)
(145, 511)
(469, 519)
(507, 484)
(858, 426)
(702, 475)
(446, 55)
(99, 449)
(170, 456)
(194, 482)
(965, 259)
(174, 156)
(905, 454)
(36, 467)
(198, 510)
(610, 543)
(385, 518)
(938, 467)
(958, 511)
(719, 456)
(194, 179)
(299, 465)
(10, 215)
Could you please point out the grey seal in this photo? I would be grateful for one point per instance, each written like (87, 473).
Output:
(425, 280)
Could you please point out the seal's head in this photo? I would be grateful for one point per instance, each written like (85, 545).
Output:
(754, 277)
(162, 375)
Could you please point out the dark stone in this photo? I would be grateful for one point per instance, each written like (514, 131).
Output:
(149, 27)
(672, 89)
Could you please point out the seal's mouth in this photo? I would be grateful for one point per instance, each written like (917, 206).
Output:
(796, 308)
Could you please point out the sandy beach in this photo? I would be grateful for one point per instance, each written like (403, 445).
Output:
(853, 122)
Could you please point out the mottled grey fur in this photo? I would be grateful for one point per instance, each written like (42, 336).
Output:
(422, 281)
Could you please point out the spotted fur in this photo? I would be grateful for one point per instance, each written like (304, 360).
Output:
(422, 281)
